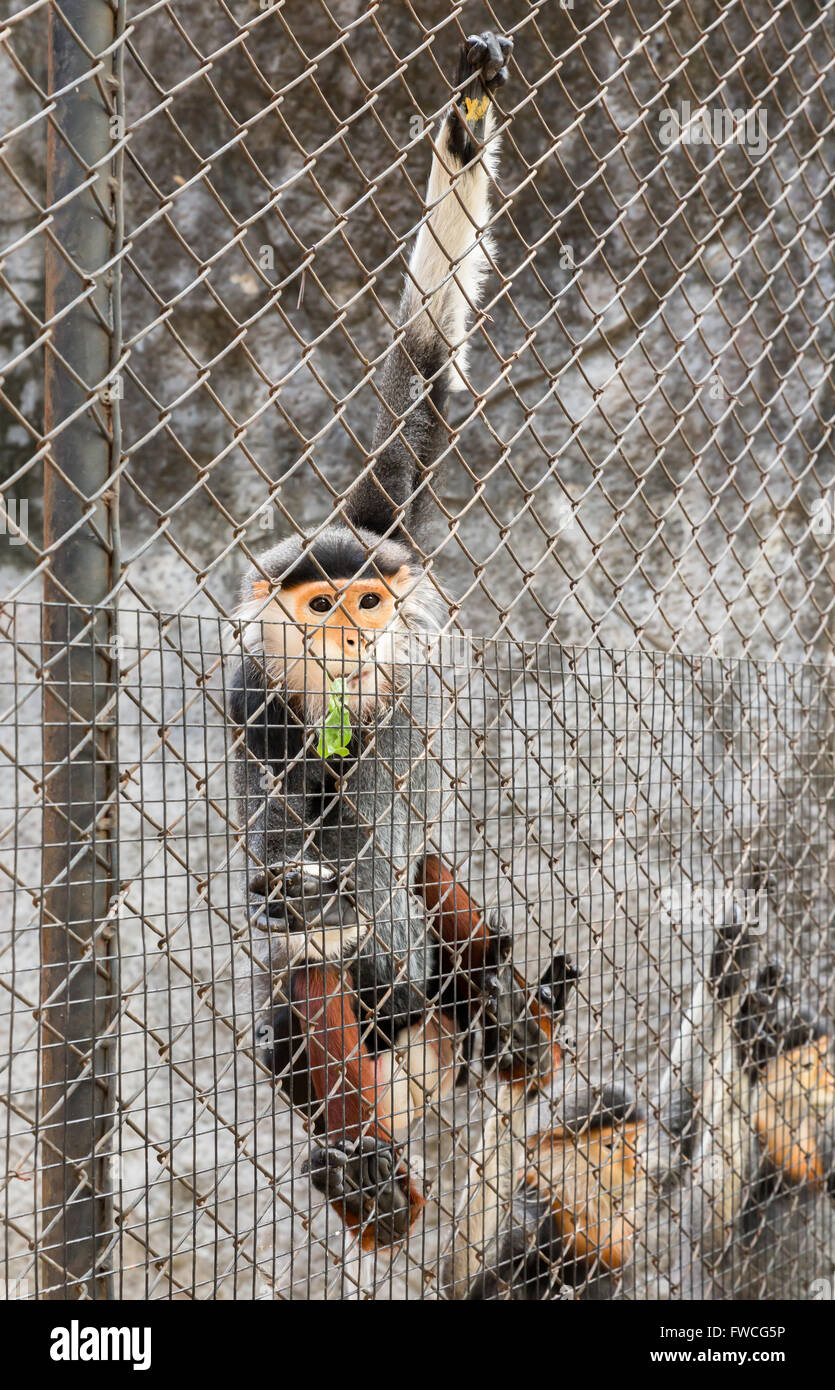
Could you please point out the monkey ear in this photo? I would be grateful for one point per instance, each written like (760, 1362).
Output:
(402, 582)
(260, 588)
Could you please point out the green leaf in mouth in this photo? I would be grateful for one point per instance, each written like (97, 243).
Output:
(335, 734)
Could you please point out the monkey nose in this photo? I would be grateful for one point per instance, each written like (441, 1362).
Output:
(350, 641)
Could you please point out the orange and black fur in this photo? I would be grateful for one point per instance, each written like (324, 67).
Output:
(557, 1189)
(745, 1133)
(333, 1071)
(580, 1196)
(788, 1057)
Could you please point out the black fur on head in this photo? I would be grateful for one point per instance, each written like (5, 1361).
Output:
(771, 1020)
(336, 554)
(614, 1105)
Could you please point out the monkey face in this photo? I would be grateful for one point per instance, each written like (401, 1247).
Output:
(342, 619)
(321, 629)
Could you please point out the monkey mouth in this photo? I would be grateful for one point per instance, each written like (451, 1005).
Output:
(369, 678)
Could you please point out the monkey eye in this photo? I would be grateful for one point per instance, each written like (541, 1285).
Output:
(369, 600)
(321, 604)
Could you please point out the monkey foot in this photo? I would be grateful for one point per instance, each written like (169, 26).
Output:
(366, 1183)
(515, 1038)
(298, 897)
(484, 57)
(482, 68)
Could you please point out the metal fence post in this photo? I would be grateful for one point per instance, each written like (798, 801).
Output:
(79, 955)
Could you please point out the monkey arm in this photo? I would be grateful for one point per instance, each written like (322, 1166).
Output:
(479, 977)
(682, 1084)
(714, 1002)
(462, 928)
(443, 286)
(342, 1070)
(358, 1169)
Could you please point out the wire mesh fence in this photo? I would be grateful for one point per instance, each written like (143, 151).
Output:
(504, 971)
(614, 807)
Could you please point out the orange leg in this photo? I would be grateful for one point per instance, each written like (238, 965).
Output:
(458, 921)
(344, 1076)
(467, 947)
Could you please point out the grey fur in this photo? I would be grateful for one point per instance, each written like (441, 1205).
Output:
(371, 822)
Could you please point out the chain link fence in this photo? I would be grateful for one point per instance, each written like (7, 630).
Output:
(208, 215)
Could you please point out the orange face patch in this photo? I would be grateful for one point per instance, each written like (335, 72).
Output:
(590, 1179)
(321, 630)
(795, 1097)
(364, 604)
